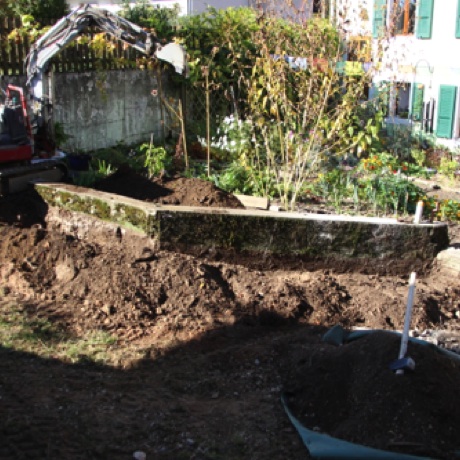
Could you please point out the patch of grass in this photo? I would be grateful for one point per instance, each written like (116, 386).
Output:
(29, 333)
(93, 346)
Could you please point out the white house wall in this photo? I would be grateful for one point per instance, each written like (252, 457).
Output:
(431, 62)
(353, 17)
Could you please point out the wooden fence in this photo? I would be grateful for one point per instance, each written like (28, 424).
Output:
(75, 57)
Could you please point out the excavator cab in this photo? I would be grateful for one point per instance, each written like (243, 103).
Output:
(18, 165)
(16, 143)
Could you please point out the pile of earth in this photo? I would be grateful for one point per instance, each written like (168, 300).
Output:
(176, 190)
(351, 393)
(219, 343)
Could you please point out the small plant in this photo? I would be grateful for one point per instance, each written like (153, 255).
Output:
(86, 178)
(378, 163)
(104, 168)
(449, 210)
(235, 178)
(400, 141)
(118, 155)
(336, 186)
(233, 136)
(449, 167)
(240, 178)
(419, 156)
(60, 136)
(157, 159)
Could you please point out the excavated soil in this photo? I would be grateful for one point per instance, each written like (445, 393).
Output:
(219, 344)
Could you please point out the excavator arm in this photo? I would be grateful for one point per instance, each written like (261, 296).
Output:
(71, 26)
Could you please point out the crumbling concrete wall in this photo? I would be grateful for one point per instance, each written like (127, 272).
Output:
(263, 239)
(101, 109)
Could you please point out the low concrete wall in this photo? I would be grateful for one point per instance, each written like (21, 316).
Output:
(101, 109)
(264, 238)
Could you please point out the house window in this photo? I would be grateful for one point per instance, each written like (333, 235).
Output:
(402, 98)
(320, 8)
(317, 9)
(404, 17)
(360, 49)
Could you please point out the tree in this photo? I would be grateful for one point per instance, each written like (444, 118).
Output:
(303, 105)
(161, 21)
(39, 9)
(5, 8)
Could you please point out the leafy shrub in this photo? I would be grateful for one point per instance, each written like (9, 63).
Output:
(157, 159)
(39, 9)
(163, 21)
(117, 156)
(419, 156)
(238, 178)
(449, 167)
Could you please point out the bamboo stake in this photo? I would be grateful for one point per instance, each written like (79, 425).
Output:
(184, 139)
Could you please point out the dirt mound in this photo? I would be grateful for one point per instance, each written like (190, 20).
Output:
(350, 393)
(167, 190)
(23, 209)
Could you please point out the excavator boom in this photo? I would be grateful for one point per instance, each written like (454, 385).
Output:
(71, 26)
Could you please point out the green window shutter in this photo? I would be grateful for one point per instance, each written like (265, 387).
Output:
(457, 27)
(425, 18)
(446, 109)
(417, 101)
(380, 15)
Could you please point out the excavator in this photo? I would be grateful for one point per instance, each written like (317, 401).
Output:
(23, 138)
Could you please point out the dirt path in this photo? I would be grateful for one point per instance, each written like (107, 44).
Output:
(201, 351)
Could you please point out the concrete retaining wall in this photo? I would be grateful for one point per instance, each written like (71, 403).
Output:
(264, 238)
(101, 109)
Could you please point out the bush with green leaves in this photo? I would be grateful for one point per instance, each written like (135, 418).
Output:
(220, 39)
(39, 9)
(449, 167)
(238, 178)
(157, 159)
(162, 21)
(119, 154)
(399, 141)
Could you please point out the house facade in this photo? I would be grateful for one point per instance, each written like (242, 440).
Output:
(416, 59)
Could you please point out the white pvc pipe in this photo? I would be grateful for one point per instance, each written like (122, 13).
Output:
(407, 320)
(418, 212)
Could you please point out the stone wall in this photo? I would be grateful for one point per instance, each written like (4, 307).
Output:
(262, 238)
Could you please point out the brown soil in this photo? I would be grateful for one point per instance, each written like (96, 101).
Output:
(167, 190)
(219, 344)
